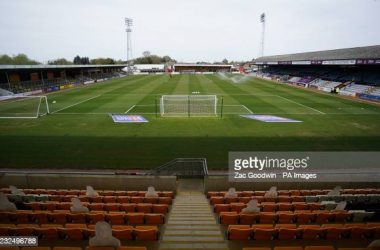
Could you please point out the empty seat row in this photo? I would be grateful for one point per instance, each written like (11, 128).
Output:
(77, 192)
(82, 232)
(372, 198)
(269, 207)
(287, 217)
(62, 218)
(295, 192)
(98, 199)
(74, 248)
(125, 207)
(245, 232)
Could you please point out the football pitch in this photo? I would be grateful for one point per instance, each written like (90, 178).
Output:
(79, 133)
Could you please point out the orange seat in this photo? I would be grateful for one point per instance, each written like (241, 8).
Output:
(248, 193)
(123, 234)
(67, 248)
(115, 218)
(263, 226)
(248, 218)
(259, 199)
(46, 233)
(69, 225)
(33, 205)
(164, 200)
(95, 206)
(49, 206)
(295, 192)
(230, 200)
(265, 234)
(77, 218)
(338, 233)
(282, 198)
(316, 206)
(285, 207)
(301, 206)
(108, 193)
(257, 248)
(289, 234)
(123, 199)
(353, 248)
(39, 217)
(362, 233)
(144, 208)
(268, 218)
(146, 233)
(160, 208)
(216, 200)
(137, 199)
(71, 233)
(151, 200)
(135, 218)
(306, 217)
(270, 208)
(319, 248)
(141, 193)
(128, 208)
(296, 198)
(51, 225)
(109, 199)
(167, 194)
(131, 193)
(288, 248)
(120, 193)
(228, 218)
(23, 231)
(240, 233)
(132, 248)
(325, 217)
(112, 207)
(259, 193)
(18, 217)
(58, 218)
(63, 206)
(154, 219)
(343, 217)
(287, 218)
(35, 248)
(237, 207)
(67, 198)
(73, 192)
(99, 248)
(4, 231)
(98, 199)
(218, 208)
(212, 193)
(88, 233)
(287, 226)
(313, 233)
(271, 199)
(10, 248)
(94, 218)
(244, 200)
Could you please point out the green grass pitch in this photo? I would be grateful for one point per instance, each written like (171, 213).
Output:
(78, 134)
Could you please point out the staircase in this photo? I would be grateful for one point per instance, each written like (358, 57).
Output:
(192, 225)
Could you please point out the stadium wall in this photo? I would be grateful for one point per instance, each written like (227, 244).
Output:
(80, 181)
(221, 183)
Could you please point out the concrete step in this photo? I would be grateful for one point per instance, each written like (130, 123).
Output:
(194, 227)
(201, 233)
(195, 246)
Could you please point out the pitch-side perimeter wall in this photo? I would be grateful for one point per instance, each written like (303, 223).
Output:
(221, 183)
(77, 181)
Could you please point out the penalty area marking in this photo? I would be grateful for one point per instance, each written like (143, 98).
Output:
(301, 104)
(247, 109)
(75, 104)
(129, 109)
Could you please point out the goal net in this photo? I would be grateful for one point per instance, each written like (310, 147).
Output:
(188, 105)
(24, 107)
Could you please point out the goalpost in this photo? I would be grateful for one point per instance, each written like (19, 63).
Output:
(24, 107)
(188, 105)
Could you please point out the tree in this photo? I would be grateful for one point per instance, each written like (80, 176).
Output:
(102, 61)
(60, 61)
(76, 60)
(146, 53)
(20, 59)
(225, 61)
(81, 60)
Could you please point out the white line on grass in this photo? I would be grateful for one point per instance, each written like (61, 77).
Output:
(301, 104)
(129, 109)
(247, 109)
(75, 104)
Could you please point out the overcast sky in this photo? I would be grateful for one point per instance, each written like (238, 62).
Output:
(189, 31)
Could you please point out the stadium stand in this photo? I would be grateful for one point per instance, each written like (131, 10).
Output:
(355, 71)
